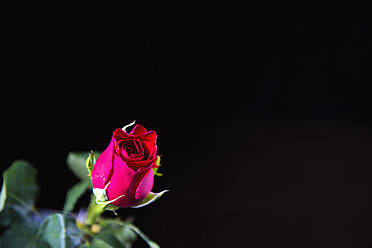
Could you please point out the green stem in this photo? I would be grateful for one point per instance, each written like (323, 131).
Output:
(94, 211)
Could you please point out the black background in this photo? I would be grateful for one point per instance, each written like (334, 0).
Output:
(262, 111)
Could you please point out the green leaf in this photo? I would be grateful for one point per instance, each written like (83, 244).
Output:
(150, 198)
(73, 195)
(3, 196)
(107, 240)
(126, 235)
(151, 243)
(19, 192)
(22, 234)
(120, 229)
(21, 185)
(125, 232)
(60, 231)
(13, 213)
(76, 161)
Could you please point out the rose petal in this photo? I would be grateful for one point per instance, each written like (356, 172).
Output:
(149, 149)
(138, 146)
(138, 129)
(145, 186)
(149, 136)
(135, 165)
(103, 166)
(138, 152)
(125, 182)
(119, 132)
(131, 157)
(120, 181)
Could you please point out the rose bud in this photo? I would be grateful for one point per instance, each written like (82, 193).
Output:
(123, 174)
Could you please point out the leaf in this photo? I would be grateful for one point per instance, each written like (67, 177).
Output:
(126, 235)
(150, 198)
(107, 240)
(22, 234)
(3, 196)
(73, 195)
(151, 243)
(21, 185)
(125, 232)
(120, 229)
(19, 192)
(76, 162)
(60, 231)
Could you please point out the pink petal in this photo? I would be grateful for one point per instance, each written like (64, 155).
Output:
(120, 181)
(103, 166)
(145, 186)
(125, 182)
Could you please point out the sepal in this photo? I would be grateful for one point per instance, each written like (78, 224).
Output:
(149, 199)
(89, 163)
(129, 125)
(102, 199)
(155, 169)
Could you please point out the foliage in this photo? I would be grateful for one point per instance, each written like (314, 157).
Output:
(29, 227)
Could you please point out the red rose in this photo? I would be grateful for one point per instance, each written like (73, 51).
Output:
(123, 174)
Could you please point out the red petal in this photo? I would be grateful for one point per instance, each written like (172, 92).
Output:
(147, 136)
(149, 149)
(135, 165)
(119, 132)
(138, 129)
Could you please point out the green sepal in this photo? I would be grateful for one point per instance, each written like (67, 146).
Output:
(155, 170)
(149, 199)
(102, 199)
(111, 207)
(89, 163)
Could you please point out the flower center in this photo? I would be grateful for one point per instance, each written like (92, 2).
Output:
(133, 148)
